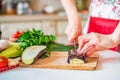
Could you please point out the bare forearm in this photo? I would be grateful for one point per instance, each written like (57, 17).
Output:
(116, 34)
(70, 8)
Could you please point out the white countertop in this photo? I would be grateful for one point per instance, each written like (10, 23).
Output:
(108, 69)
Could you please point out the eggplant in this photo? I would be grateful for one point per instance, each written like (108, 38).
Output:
(76, 59)
(33, 53)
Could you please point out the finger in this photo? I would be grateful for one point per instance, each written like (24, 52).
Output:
(79, 52)
(83, 40)
(86, 51)
(76, 40)
(73, 36)
(81, 44)
(87, 46)
(90, 52)
(71, 39)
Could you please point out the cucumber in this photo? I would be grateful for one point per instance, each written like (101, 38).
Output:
(32, 53)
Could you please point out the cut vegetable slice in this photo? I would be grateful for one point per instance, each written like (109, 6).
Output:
(76, 59)
(32, 53)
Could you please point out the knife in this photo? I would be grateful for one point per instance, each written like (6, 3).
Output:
(75, 48)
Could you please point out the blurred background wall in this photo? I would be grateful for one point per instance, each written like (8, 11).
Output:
(47, 15)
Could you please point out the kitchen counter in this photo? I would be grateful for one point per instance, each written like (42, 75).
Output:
(108, 69)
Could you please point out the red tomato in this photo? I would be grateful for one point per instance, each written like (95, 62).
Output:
(17, 34)
(3, 61)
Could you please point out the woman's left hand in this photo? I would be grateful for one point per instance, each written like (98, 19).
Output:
(93, 42)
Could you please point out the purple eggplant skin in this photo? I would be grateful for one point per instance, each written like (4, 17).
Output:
(70, 57)
(39, 55)
(82, 57)
(73, 56)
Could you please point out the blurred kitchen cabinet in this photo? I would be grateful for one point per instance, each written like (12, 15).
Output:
(48, 27)
(62, 39)
(9, 28)
(50, 24)
(61, 26)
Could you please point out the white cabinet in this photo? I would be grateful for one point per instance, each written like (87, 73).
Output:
(48, 27)
(9, 28)
(50, 24)
(62, 37)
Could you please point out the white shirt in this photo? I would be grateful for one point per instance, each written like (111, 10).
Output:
(105, 9)
(109, 9)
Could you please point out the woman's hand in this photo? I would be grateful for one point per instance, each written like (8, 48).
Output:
(74, 23)
(93, 42)
(74, 29)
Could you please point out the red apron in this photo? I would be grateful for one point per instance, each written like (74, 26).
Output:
(103, 26)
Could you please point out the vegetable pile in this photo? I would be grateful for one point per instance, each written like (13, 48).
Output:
(28, 39)
(37, 37)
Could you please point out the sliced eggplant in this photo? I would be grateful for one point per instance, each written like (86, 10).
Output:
(76, 59)
(32, 53)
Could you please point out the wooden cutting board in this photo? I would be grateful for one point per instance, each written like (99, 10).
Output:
(58, 60)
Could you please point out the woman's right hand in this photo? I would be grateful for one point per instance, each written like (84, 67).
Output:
(74, 29)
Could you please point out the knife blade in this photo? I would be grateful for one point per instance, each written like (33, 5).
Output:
(75, 48)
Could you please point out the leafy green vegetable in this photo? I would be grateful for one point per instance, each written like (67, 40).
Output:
(57, 47)
(35, 37)
(60, 47)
